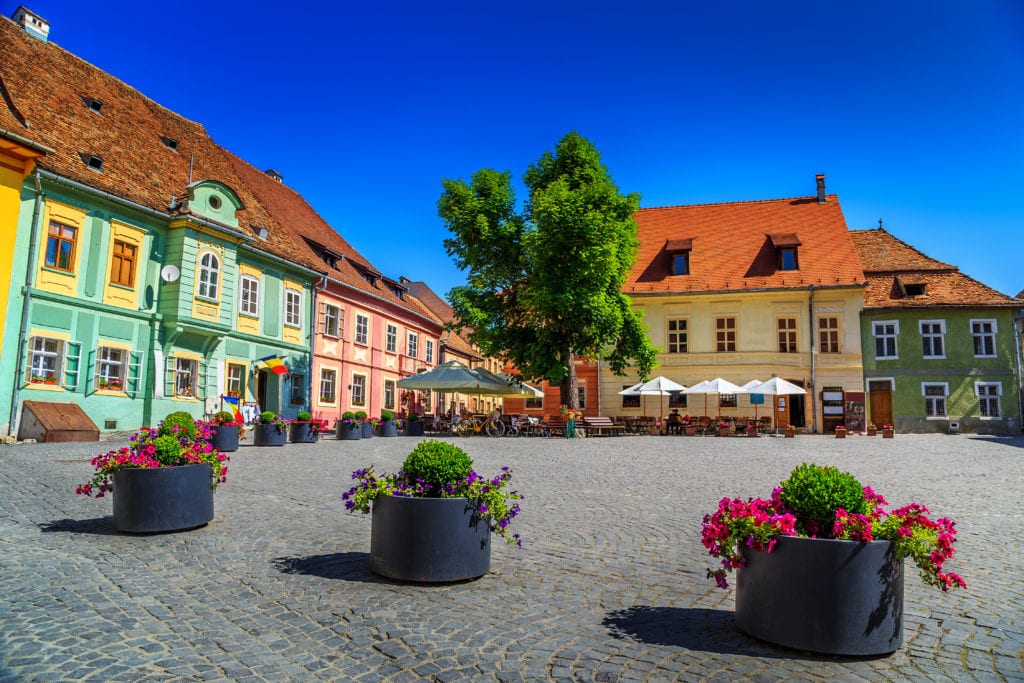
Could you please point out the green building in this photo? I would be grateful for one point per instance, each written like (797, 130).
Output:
(940, 352)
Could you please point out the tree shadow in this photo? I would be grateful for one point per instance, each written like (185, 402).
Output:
(343, 566)
(99, 526)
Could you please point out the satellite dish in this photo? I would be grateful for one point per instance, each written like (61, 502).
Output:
(169, 273)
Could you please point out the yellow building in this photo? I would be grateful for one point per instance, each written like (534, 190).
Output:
(751, 290)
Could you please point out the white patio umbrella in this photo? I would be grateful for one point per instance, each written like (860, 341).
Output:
(715, 386)
(777, 386)
(516, 387)
(659, 386)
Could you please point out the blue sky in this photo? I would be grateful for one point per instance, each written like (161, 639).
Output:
(913, 109)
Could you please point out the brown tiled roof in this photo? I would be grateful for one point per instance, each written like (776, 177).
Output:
(732, 246)
(891, 264)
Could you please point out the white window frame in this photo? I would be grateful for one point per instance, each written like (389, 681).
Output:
(991, 333)
(390, 391)
(297, 391)
(895, 336)
(108, 368)
(412, 345)
(930, 335)
(292, 307)
(358, 390)
(38, 354)
(362, 335)
(209, 277)
(391, 338)
(935, 399)
(249, 295)
(328, 386)
(332, 320)
(428, 355)
(984, 398)
(186, 383)
(581, 396)
(236, 384)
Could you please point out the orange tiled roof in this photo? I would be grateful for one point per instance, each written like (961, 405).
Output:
(734, 246)
(891, 265)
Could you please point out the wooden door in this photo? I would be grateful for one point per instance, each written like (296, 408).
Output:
(782, 405)
(880, 400)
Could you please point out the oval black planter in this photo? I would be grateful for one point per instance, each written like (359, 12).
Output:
(428, 539)
(388, 428)
(414, 428)
(269, 435)
(152, 500)
(351, 432)
(822, 595)
(366, 430)
(224, 438)
(302, 432)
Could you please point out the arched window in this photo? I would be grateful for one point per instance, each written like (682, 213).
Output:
(209, 276)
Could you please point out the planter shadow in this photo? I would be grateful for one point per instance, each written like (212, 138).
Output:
(341, 566)
(98, 526)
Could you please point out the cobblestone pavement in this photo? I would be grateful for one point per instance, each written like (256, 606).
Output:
(609, 585)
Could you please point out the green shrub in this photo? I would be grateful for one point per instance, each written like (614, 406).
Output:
(815, 492)
(348, 415)
(168, 449)
(387, 415)
(304, 416)
(413, 417)
(223, 418)
(268, 417)
(360, 415)
(437, 463)
(183, 421)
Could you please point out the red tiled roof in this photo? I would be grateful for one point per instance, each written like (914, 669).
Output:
(880, 252)
(732, 247)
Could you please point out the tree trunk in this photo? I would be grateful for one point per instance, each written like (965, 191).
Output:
(569, 386)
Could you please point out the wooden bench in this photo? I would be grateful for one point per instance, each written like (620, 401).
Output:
(602, 426)
(556, 425)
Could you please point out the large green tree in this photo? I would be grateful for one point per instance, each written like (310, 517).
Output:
(544, 284)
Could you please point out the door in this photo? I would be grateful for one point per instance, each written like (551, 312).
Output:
(261, 389)
(880, 400)
(781, 404)
(797, 406)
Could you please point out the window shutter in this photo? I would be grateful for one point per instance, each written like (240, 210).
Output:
(201, 380)
(133, 378)
(169, 377)
(322, 318)
(72, 364)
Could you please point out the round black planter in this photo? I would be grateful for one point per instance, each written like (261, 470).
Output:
(366, 430)
(388, 428)
(224, 438)
(822, 595)
(414, 428)
(428, 539)
(269, 435)
(349, 432)
(151, 500)
(302, 432)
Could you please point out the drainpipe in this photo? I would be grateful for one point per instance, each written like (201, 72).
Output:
(1018, 336)
(317, 287)
(26, 304)
(814, 384)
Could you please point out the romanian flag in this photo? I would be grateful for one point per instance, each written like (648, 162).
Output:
(274, 363)
(234, 402)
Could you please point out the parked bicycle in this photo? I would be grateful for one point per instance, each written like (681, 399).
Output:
(489, 425)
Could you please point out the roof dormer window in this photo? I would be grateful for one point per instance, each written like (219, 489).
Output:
(786, 246)
(93, 104)
(170, 143)
(93, 161)
(679, 253)
(912, 285)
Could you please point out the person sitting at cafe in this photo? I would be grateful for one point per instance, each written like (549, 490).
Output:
(675, 422)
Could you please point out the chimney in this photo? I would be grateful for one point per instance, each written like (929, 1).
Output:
(274, 174)
(33, 24)
(820, 180)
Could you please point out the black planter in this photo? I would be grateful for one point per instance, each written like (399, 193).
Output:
(428, 539)
(822, 595)
(388, 428)
(414, 428)
(224, 438)
(302, 432)
(150, 500)
(349, 432)
(366, 430)
(269, 435)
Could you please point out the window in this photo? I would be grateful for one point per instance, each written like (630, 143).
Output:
(885, 339)
(209, 276)
(46, 357)
(725, 334)
(932, 332)
(535, 403)
(630, 401)
(935, 394)
(328, 385)
(332, 321)
(787, 335)
(681, 263)
(727, 400)
(362, 328)
(122, 264)
(389, 394)
(988, 398)
(236, 380)
(359, 390)
(298, 390)
(292, 307)
(391, 339)
(984, 332)
(677, 399)
(428, 356)
(677, 341)
(60, 246)
(186, 372)
(109, 369)
(828, 335)
(412, 349)
(787, 259)
(250, 295)
(581, 392)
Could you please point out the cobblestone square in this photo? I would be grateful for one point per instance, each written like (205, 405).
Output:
(609, 585)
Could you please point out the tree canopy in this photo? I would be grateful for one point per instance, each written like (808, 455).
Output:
(544, 284)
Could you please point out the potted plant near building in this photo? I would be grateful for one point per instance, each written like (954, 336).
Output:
(820, 563)
(432, 520)
(225, 432)
(348, 427)
(366, 425)
(272, 430)
(387, 424)
(413, 425)
(790, 431)
(305, 428)
(872, 429)
(724, 429)
(841, 431)
(163, 480)
(888, 431)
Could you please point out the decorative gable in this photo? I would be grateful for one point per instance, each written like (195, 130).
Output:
(213, 200)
